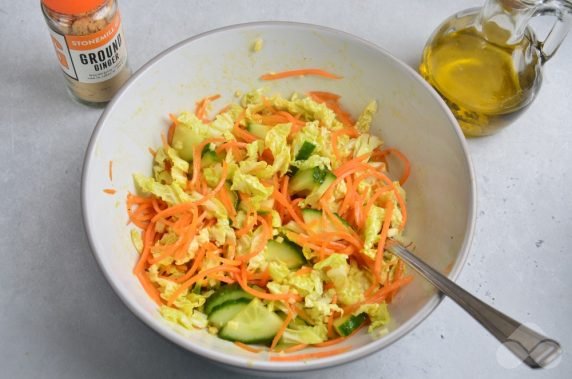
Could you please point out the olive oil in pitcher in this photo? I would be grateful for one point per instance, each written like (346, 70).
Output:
(486, 64)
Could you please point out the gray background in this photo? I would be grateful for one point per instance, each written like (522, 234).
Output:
(60, 319)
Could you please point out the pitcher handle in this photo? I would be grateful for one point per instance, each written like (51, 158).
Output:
(562, 10)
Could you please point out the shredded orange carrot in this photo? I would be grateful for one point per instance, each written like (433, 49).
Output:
(218, 187)
(183, 287)
(227, 202)
(304, 270)
(344, 116)
(284, 202)
(300, 72)
(196, 264)
(334, 105)
(359, 212)
(171, 132)
(346, 131)
(152, 152)
(247, 347)
(197, 156)
(164, 141)
(221, 278)
(341, 234)
(144, 212)
(382, 237)
(149, 288)
(388, 181)
(330, 191)
(370, 289)
(148, 239)
(266, 235)
(398, 271)
(324, 247)
(173, 119)
(396, 276)
(230, 144)
(402, 208)
(110, 170)
(331, 320)
(273, 119)
(303, 357)
(351, 191)
(387, 289)
(110, 191)
(230, 262)
(249, 222)
(349, 165)
(285, 181)
(186, 236)
(345, 231)
(157, 204)
(201, 108)
(294, 348)
(173, 210)
(291, 118)
(267, 156)
(280, 332)
(376, 196)
(241, 279)
(238, 132)
(403, 158)
(246, 136)
(328, 96)
(224, 109)
(336, 341)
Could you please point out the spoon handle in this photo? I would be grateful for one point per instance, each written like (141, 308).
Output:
(530, 347)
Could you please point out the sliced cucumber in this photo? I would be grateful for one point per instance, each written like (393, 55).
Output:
(209, 158)
(297, 322)
(220, 314)
(184, 141)
(253, 324)
(311, 179)
(292, 170)
(287, 252)
(313, 218)
(302, 181)
(224, 294)
(258, 130)
(347, 324)
(305, 151)
(326, 183)
(311, 215)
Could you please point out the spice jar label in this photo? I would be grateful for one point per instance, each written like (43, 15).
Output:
(95, 57)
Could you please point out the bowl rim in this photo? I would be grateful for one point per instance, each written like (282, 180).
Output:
(270, 366)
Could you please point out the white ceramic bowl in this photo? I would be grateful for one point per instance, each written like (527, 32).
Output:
(412, 117)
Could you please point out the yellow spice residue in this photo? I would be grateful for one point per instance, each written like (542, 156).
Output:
(257, 45)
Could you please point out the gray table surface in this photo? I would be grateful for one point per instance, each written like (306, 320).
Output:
(60, 319)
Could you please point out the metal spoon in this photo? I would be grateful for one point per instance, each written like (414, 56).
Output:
(532, 348)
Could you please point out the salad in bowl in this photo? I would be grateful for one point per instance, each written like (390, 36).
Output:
(267, 223)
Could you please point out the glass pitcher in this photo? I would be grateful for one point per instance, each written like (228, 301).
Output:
(487, 63)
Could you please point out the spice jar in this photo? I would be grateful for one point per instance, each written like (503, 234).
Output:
(90, 47)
